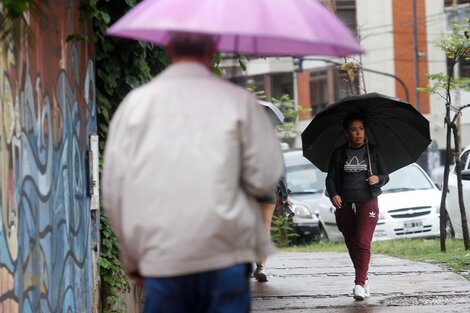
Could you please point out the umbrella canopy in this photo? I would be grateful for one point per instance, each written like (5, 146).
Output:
(395, 126)
(275, 115)
(261, 27)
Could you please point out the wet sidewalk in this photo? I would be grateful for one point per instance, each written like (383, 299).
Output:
(323, 282)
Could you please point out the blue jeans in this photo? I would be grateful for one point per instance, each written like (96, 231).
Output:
(220, 291)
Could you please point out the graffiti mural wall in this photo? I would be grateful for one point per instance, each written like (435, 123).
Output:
(47, 112)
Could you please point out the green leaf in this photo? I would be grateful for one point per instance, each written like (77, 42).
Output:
(217, 58)
(217, 71)
(242, 60)
(131, 3)
(132, 81)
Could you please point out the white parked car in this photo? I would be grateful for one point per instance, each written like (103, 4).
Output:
(409, 207)
(452, 199)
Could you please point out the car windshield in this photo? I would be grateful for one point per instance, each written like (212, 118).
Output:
(305, 178)
(407, 179)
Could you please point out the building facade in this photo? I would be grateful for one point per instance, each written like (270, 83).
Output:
(399, 55)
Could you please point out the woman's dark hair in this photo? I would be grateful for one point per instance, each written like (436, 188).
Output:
(353, 116)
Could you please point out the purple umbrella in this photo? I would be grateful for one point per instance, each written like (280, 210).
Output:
(251, 27)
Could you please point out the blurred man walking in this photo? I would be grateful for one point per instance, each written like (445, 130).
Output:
(186, 155)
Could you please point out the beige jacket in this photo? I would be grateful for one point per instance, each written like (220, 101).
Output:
(185, 156)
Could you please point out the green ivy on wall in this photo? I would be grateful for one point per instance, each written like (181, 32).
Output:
(121, 65)
(13, 26)
(16, 8)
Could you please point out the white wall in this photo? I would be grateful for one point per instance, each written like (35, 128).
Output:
(463, 99)
(374, 21)
(465, 121)
(269, 65)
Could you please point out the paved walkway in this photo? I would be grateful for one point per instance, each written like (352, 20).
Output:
(323, 282)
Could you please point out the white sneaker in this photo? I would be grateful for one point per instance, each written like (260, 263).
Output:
(359, 293)
(367, 289)
(260, 274)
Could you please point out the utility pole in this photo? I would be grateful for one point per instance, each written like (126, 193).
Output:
(297, 61)
(416, 55)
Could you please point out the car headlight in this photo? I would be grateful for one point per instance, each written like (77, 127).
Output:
(301, 211)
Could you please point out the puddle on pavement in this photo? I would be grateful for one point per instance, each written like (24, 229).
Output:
(426, 300)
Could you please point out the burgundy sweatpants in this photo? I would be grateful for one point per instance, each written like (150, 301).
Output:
(357, 222)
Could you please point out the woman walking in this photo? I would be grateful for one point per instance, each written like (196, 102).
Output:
(268, 205)
(355, 175)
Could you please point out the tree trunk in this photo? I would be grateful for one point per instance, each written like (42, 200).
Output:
(445, 187)
(445, 183)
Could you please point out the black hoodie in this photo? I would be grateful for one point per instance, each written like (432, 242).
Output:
(334, 179)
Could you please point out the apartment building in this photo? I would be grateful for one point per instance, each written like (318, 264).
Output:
(398, 37)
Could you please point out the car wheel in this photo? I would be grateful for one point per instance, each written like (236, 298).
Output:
(449, 229)
(308, 239)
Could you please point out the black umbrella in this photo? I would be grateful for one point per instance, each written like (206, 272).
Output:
(395, 126)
